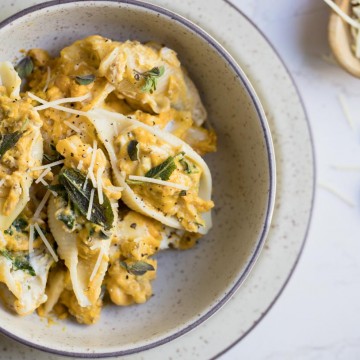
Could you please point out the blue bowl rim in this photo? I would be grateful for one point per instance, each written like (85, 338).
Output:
(271, 163)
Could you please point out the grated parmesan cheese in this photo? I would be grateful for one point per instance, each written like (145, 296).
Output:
(91, 167)
(41, 205)
(99, 184)
(98, 262)
(44, 182)
(47, 79)
(88, 215)
(45, 241)
(159, 182)
(63, 101)
(55, 163)
(72, 126)
(80, 165)
(2, 181)
(54, 106)
(31, 239)
(42, 175)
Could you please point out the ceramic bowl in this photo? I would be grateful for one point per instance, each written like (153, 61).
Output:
(191, 285)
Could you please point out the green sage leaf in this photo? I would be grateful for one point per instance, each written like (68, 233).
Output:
(137, 268)
(133, 150)
(7, 141)
(73, 181)
(164, 170)
(85, 79)
(25, 67)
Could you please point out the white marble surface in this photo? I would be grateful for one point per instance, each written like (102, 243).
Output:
(317, 316)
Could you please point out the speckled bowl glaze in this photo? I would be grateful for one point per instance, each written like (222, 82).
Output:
(191, 285)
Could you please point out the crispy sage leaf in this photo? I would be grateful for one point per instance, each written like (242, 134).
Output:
(7, 141)
(137, 268)
(85, 79)
(73, 181)
(133, 150)
(164, 170)
(19, 263)
(25, 67)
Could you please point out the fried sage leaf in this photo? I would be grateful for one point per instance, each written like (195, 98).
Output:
(85, 79)
(25, 67)
(73, 181)
(7, 141)
(18, 262)
(164, 170)
(137, 268)
(133, 150)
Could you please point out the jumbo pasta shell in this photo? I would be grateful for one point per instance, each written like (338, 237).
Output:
(10, 79)
(26, 292)
(87, 289)
(109, 125)
(36, 155)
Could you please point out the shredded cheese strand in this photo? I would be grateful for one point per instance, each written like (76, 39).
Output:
(97, 264)
(2, 181)
(47, 79)
(99, 184)
(80, 165)
(72, 126)
(63, 101)
(343, 15)
(57, 107)
(346, 111)
(31, 239)
(46, 242)
(114, 188)
(88, 215)
(44, 182)
(337, 194)
(59, 162)
(91, 167)
(42, 175)
(41, 205)
(158, 182)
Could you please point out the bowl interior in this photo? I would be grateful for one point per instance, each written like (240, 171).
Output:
(191, 284)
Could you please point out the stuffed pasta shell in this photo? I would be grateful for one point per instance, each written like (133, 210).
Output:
(21, 146)
(81, 217)
(162, 176)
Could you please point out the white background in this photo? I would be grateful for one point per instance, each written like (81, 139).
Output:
(318, 315)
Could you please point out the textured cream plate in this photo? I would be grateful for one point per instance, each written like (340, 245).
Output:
(295, 184)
